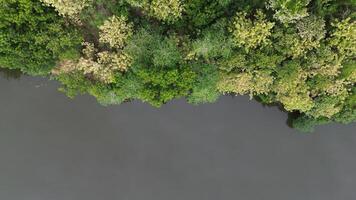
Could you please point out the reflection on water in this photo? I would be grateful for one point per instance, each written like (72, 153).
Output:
(10, 73)
(16, 74)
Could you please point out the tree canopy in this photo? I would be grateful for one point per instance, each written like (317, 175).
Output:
(297, 54)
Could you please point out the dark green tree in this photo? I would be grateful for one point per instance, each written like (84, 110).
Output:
(33, 37)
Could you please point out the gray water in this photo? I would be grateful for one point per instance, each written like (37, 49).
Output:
(54, 148)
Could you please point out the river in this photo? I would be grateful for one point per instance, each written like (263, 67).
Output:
(55, 148)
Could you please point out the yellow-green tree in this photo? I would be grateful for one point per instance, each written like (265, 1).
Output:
(165, 10)
(288, 11)
(344, 37)
(115, 31)
(70, 8)
(251, 33)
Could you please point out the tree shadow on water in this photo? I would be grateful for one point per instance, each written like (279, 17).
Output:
(10, 73)
(291, 116)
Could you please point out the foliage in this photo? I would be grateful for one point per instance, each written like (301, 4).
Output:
(165, 10)
(115, 31)
(94, 15)
(33, 37)
(344, 37)
(288, 11)
(163, 79)
(100, 66)
(291, 88)
(299, 40)
(253, 83)
(251, 33)
(70, 8)
(200, 13)
(297, 54)
(204, 87)
(212, 44)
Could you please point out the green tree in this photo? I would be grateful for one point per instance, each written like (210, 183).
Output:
(212, 44)
(203, 12)
(204, 88)
(163, 79)
(33, 37)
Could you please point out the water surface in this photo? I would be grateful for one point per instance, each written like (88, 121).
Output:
(54, 148)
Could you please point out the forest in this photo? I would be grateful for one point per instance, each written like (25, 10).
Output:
(299, 55)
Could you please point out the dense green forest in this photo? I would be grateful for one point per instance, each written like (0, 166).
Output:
(296, 54)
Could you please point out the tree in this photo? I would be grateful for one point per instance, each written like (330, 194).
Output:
(199, 13)
(100, 66)
(212, 44)
(165, 10)
(299, 54)
(324, 62)
(162, 80)
(70, 8)
(291, 88)
(253, 83)
(204, 88)
(115, 31)
(296, 41)
(343, 37)
(249, 33)
(289, 11)
(33, 37)
(311, 31)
